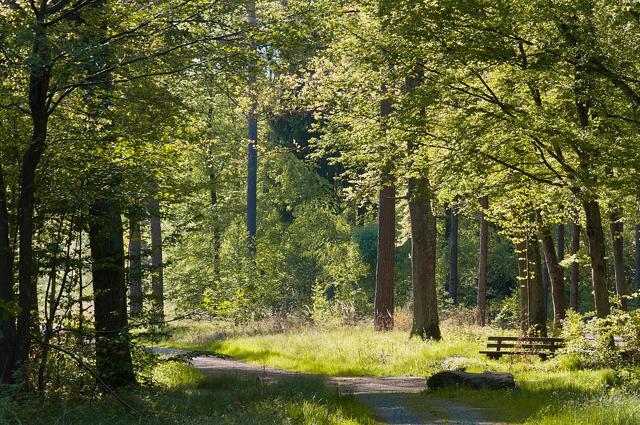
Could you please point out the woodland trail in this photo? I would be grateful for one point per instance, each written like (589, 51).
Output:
(394, 400)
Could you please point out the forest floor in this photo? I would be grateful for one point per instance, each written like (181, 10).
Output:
(393, 400)
(556, 391)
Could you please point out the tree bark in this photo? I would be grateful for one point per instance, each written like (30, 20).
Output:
(556, 274)
(523, 289)
(423, 261)
(7, 296)
(157, 267)
(537, 310)
(481, 311)
(39, 81)
(453, 253)
(637, 259)
(575, 267)
(596, 241)
(217, 237)
(616, 227)
(252, 129)
(113, 355)
(385, 269)
(135, 268)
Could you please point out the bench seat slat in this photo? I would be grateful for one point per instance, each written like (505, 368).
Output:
(548, 347)
(525, 338)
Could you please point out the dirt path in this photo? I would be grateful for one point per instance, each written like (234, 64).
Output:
(395, 400)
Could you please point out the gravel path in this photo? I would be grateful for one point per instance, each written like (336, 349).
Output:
(395, 400)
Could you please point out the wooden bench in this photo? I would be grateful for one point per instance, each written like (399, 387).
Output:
(542, 347)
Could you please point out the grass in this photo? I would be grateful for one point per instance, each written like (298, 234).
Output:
(548, 392)
(184, 396)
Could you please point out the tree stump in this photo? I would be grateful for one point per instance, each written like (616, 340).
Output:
(477, 381)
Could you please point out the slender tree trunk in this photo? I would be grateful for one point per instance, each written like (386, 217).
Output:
(113, 355)
(481, 312)
(537, 310)
(252, 153)
(217, 237)
(560, 237)
(7, 296)
(616, 228)
(453, 253)
(595, 237)
(523, 289)
(423, 261)
(39, 79)
(157, 266)
(556, 275)
(637, 259)
(575, 267)
(385, 269)
(135, 268)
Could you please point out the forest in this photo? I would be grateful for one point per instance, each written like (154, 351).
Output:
(308, 211)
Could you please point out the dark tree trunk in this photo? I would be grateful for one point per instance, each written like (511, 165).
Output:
(596, 241)
(252, 153)
(545, 286)
(560, 237)
(423, 261)
(7, 296)
(454, 221)
(385, 269)
(39, 79)
(556, 274)
(217, 237)
(481, 311)
(157, 266)
(523, 289)
(616, 228)
(135, 268)
(575, 267)
(637, 273)
(537, 309)
(113, 355)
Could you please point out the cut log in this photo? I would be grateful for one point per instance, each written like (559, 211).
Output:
(477, 381)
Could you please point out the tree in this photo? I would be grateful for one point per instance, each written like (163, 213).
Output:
(481, 309)
(157, 266)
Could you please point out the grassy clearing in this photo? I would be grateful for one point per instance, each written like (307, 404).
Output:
(183, 396)
(548, 392)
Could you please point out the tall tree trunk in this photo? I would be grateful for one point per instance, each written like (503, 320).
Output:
(385, 269)
(545, 286)
(423, 261)
(135, 268)
(157, 266)
(616, 227)
(537, 309)
(560, 242)
(7, 296)
(556, 274)
(637, 259)
(217, 237)
(39, 80)
(523, 288)
(113, 355)
(595, 237)
(481, 311)
(252, 153)
(453, 252)
(575, 267)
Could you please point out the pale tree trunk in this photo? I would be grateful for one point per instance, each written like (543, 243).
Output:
(523, 289)
(537, 311)
(481, 310)
(595, 236)
(556, 274)
(135, 268)
(217, 237)
(453, 252)
(113, 355)
(157, 266)
(7, 296)
(575, 268)
(616, 227)
(252, 129)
